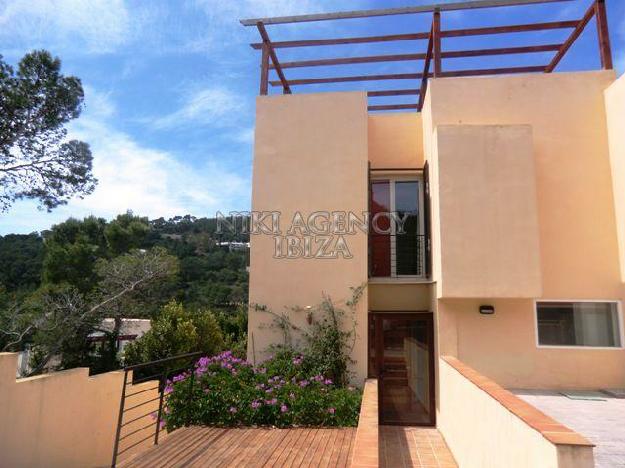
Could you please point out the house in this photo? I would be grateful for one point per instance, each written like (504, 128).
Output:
(495, 201)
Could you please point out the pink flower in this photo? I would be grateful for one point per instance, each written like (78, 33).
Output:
(284, 408)
(233, 409)
(256, 404)
(331, 410)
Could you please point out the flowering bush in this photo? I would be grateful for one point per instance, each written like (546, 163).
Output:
(225, 390)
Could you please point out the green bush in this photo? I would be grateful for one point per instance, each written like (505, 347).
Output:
(176, 331)
(225, 390)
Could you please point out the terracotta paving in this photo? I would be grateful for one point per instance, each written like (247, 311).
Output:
(402, 446)
(249, 447)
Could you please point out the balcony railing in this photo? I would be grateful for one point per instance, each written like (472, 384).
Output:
(397, 256)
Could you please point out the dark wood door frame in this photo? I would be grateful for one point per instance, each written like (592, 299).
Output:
(428, 317)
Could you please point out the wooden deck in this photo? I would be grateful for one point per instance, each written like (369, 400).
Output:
(249, 447)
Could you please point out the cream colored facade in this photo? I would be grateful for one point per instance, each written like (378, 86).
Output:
(527, 203)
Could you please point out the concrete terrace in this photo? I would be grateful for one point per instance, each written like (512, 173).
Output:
(601, 421)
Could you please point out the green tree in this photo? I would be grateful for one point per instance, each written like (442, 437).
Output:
(126, 232)
(21, 259)
(68, 316)
(176, 331)
(71, 251)
(36, 159)
(73, 248)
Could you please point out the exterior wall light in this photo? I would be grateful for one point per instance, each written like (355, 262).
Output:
(487, 310)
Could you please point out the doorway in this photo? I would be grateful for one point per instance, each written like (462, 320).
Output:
(401, 356)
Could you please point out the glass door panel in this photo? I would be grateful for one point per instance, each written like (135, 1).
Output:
(380, 242)
(405, 368)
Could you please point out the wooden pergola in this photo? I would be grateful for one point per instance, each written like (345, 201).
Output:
(433, 57)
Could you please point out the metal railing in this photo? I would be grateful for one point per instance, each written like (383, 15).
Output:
(157, 372)
(397, 255)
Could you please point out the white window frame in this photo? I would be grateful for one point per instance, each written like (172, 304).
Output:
(619, 313)
(392, 178)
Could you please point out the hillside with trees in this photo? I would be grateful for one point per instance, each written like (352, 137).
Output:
(57, 286)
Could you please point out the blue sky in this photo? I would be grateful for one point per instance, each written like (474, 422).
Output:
(170, 85)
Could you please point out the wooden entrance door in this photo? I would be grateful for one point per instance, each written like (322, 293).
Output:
(403, 361)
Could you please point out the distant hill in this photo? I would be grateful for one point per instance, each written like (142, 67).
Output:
(210, 274)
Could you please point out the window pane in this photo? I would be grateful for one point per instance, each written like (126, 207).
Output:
(380, 243)
(578, 324)
(407, 243)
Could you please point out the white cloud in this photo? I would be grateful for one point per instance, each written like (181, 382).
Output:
(148, 181)
(96, 26)
(215, 106)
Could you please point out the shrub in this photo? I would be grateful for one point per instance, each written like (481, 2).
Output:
(225, 390)
(176, 331)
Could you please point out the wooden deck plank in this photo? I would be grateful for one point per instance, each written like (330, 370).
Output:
(247, 450)
(298, 456)
(282, 451)
(289, 447)
(169, 447)
(300, 444)
(346, 453)
(336, 449)
(315, 460)
(181, 454)
(249, 447)
(274, 439)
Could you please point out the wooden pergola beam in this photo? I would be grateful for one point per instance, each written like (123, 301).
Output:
(509, 29)
(605, 50)
(501, 51)
(436, 42)
(345, 79)
(493, 71)
(571, 39)
(274, 59)
(381, 107)
(422, 56)
(352, 60)
(393, 92)
(344, 40)
(453, 6)
(421, 35)
(426, 70)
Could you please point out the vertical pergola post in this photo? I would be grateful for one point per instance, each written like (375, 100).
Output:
(264, 70)
(436, 39)
(267, 47)
(605, 50)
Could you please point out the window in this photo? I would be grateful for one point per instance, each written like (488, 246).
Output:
(397, 250)
(593, 324)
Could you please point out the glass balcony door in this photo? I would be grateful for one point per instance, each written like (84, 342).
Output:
(397, 238)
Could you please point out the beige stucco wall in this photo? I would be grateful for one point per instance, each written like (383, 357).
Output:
(66, 419)
(487, 215)
(578, 246)
(615, 116)
(503, 347)
(395, 140)
(482, 433)
(310, 154)
(398, 297)
(579, 257)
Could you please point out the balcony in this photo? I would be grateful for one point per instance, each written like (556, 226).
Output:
(401, 256)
